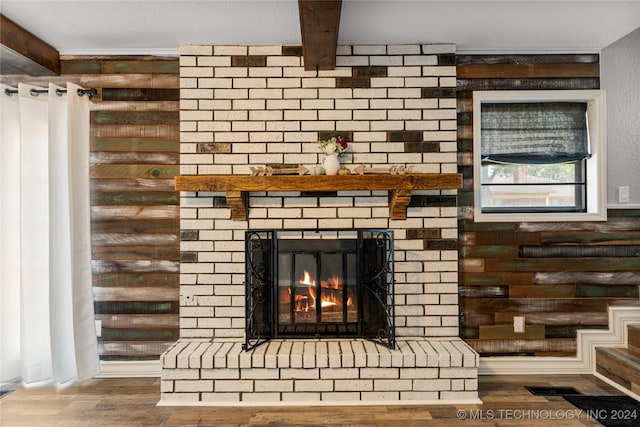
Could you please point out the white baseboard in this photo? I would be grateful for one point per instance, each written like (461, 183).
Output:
(129, 369)
(583, 363)
(111, 369)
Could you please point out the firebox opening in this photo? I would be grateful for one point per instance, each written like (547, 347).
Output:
(317, 289)
(325, 284)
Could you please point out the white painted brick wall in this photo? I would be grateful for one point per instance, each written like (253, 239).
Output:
(273, 114)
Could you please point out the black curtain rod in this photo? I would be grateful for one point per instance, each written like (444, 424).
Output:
(35, 92)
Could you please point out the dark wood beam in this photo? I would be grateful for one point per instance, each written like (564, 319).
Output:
(319, 23)
(24, 53)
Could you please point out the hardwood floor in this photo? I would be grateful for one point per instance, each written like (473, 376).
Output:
(132, 403)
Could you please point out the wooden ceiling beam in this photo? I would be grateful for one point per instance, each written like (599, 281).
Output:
(24, 53)
(319, 23)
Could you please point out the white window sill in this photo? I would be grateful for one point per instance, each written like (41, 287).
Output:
(541, 217)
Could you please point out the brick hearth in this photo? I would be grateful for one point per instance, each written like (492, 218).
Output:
(330, 371)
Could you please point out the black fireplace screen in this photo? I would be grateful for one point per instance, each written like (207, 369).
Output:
(315, 288)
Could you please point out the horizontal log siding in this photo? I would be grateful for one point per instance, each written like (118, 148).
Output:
(135, 214)
(134, 208)
(560, 276)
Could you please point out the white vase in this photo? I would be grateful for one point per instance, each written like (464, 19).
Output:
(331, 164)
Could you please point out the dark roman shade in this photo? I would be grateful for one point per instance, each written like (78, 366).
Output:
(534, 132)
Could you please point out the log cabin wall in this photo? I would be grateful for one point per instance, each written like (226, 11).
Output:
(560, 276)
(134, 208)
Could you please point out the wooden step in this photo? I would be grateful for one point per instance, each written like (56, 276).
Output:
(620, 366)
(634, 339)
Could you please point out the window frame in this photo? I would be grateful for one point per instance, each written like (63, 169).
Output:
(595, 169)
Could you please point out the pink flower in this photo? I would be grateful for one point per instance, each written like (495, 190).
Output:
(335, 144)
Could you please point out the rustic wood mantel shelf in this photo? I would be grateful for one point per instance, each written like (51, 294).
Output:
(400, 187)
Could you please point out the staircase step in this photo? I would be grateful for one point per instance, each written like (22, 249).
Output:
(619, 365)
(634, 339)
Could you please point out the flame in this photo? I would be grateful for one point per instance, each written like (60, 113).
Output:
(335, 280)
(306, 280)
(311, 284)
(328, 299)
(312, 294)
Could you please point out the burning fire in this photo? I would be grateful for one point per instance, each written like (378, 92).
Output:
(307, 279)
(335, 282)
(328, 299)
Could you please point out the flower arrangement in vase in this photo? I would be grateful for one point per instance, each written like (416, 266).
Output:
(333, 148)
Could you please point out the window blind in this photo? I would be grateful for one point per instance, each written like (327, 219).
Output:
(534, 133)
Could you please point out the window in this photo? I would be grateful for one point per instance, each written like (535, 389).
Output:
(539, 155)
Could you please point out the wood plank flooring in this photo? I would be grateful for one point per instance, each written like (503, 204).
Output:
(132, 403)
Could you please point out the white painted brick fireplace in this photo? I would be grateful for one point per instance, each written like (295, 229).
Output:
(245, 106)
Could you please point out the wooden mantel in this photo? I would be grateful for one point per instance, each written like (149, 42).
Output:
(400, 187)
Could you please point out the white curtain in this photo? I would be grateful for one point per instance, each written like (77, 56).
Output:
(47, 330)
